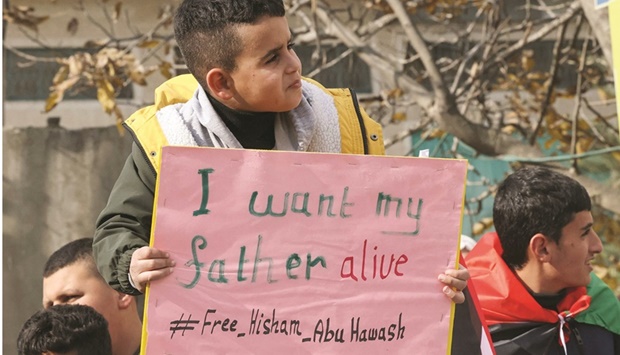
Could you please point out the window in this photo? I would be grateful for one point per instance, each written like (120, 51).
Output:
(350, 72)
(33, 82)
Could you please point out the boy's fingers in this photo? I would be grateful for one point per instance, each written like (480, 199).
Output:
(144, 266)
(461, 274)
(455, 281)
(148, 264)
(450, 281)
(455, 296)
(153, 264)
(149, 276)
(149, 253)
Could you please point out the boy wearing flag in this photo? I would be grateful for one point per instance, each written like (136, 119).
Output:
(534, 275)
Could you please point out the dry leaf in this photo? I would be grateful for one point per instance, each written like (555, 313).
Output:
(53, 100)
(137, 77)
(165, 69)
(117, 11)
(399, 117)
(105, 96)
(149, 44)
(24, 8)
(66, 84)
(96, 43)
(437, 133)
(482, 225)
(21, 16)
(102, 60)
(527, 60)
(395, 93)
(72, 26)
(61, 75)
(509, 129)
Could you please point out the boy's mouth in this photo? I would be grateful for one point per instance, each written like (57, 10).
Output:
(295, 85)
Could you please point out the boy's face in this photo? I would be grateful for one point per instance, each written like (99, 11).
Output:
(572, 256)
(267, 77)
(76, 284)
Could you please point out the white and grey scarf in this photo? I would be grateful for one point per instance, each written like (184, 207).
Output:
(312, 126)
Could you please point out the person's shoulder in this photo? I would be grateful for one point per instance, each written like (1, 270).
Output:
(172, 93)
(601, 292)
(604, 309)
(176, 90)
(335, 93)
(315, 83)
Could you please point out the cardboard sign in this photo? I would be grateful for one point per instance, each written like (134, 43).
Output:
(288, 253)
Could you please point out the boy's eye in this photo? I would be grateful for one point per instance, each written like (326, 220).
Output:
(68, 298)
(276, 56)
(272, 58)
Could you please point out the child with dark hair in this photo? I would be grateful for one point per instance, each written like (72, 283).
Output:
(538, 200)
(246, 92)
(70, 276)
(80, 250)
(534, 275)
(65, 329)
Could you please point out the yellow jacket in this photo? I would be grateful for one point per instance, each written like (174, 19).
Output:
(359, 133)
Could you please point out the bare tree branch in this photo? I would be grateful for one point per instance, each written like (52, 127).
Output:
(550, 82)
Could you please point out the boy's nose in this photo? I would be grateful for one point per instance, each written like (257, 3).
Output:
(294, 64)
(597, 245)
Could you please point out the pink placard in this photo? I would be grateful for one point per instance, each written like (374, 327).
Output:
(291, 253)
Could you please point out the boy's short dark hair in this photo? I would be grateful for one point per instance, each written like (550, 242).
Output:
(65, 328)
(535, 200)
(77, 250)
(205, 31)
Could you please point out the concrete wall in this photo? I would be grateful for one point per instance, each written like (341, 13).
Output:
(55, 183)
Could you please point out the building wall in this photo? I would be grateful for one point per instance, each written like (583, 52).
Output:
(55, 183)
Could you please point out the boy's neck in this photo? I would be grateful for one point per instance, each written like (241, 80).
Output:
(549, 301)
(536, 279)
(254, 130)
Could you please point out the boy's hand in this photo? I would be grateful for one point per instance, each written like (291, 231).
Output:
(148, 264)
(456, 281)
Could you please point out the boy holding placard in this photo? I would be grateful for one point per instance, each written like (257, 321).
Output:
(250, 95)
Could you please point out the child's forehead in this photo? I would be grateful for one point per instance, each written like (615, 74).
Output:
(266, 32)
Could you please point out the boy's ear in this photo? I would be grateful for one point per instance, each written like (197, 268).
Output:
(539, 248)
(124, 300)
(220, 84)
